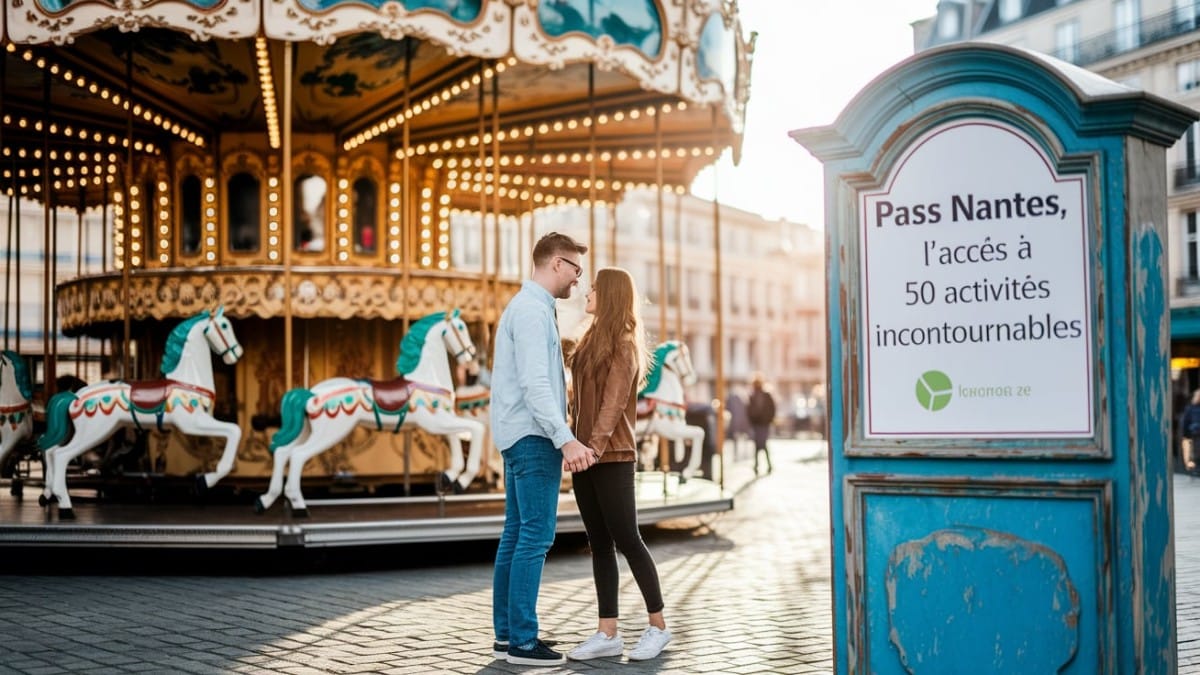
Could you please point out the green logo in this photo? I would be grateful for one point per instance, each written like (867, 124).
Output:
(933, 390)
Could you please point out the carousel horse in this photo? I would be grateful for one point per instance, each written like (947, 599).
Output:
(474, 400)
(16, 411)
(423, 396)
(661, 409)
(182, 400)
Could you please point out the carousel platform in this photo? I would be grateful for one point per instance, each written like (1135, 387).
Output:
(331, 522)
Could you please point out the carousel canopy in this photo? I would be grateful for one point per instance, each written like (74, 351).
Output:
(532, 101)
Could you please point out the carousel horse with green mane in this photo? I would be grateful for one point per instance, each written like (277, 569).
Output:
(662, 410)
(423, 396)
(16, 410)
(182, 400)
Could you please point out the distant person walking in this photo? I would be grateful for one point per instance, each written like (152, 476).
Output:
(1189, 430)
(608, 368)
(529, 425)
(761, 411)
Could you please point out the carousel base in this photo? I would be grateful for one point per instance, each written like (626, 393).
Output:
(330, 523)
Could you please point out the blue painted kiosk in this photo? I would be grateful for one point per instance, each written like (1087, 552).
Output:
(999, 366)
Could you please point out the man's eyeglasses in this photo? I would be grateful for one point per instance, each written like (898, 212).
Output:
(578, 269)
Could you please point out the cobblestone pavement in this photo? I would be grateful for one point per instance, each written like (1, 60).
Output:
(747, 592)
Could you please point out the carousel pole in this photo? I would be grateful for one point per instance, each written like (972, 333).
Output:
(48, 367)
(612, 215)
(483, 239)
(8, 268)
(719, 385)
(288, 216)
(592, 168)
(678, 267)
(125, 257)
(54, 275)
(79, 268)
(14, 212)
(8, 231)
(492, 300)
(104, 239)
(405, 220)
(663, 452)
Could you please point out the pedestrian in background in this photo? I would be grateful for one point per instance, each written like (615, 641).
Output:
(608, 368)
(761, 411)
(529, 425)
(739, 424)
(1189, 429)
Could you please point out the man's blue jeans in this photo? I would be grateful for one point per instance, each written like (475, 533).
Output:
(532, 475)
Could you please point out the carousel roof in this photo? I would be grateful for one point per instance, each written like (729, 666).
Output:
(555, 99)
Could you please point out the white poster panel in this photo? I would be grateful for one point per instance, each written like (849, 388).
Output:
(976, 291)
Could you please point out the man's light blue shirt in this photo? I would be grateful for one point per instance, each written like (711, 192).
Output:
(529, 391)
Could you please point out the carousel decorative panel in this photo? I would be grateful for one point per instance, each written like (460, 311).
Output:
(636, 37)
(61, 21)
(480, 28)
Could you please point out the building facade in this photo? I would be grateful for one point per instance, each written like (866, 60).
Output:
(1153, 45)
(771, 283)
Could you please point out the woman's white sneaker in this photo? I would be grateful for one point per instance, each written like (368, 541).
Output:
(650, 644)
(598, 646)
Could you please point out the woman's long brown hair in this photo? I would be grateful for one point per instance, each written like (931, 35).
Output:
(617, 324)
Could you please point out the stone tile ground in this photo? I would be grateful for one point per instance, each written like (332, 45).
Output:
(747, 592)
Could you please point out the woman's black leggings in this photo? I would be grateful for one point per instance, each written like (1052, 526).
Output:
(606, 501)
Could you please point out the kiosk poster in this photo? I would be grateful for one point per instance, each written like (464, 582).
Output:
(976, 291)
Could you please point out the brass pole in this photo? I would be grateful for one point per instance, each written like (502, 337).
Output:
(719, 385)
(492, 301)
(288, 208)
(48, 244)
(678, 267)
(592, 168)
(662, 255)
(612, 217)
(483, 239)
(405, 197)
(79, 265)
(126, 371)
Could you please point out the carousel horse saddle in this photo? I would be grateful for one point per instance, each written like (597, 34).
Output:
(149, 394)
(391, 395)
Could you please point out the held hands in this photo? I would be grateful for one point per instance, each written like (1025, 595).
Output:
(578, 457)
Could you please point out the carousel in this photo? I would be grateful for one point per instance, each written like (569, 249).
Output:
(313, 213)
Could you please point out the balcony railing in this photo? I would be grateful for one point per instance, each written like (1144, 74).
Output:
(1187, 286)
(1186, 176)
(1147, 31)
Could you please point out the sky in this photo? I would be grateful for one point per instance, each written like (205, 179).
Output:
(811, 58)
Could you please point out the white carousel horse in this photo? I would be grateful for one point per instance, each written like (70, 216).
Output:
(661, 407)
(475, 401)
(183, 400)
(16, 411)
(314, 420)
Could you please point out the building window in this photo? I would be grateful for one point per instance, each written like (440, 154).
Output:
(189, 215)
(245, 217)
(366, 213)
(1187, 75)
(308, 194)
(1066, 40)
(949, 22)
(1189, 245)
(1010, 10)
(1185, 14)
(1125, 21)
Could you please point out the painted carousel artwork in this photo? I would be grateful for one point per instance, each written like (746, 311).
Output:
(183, 400)
(662, 407)
(422, 395)
(331, 172)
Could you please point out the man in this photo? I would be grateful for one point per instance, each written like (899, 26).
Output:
(529, 425)
(761, 411)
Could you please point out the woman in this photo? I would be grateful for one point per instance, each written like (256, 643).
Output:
(607, 368)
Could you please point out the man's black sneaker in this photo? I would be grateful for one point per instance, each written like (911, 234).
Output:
(539, 655)
(499, 650)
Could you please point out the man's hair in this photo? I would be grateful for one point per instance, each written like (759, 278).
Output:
(553, 244)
